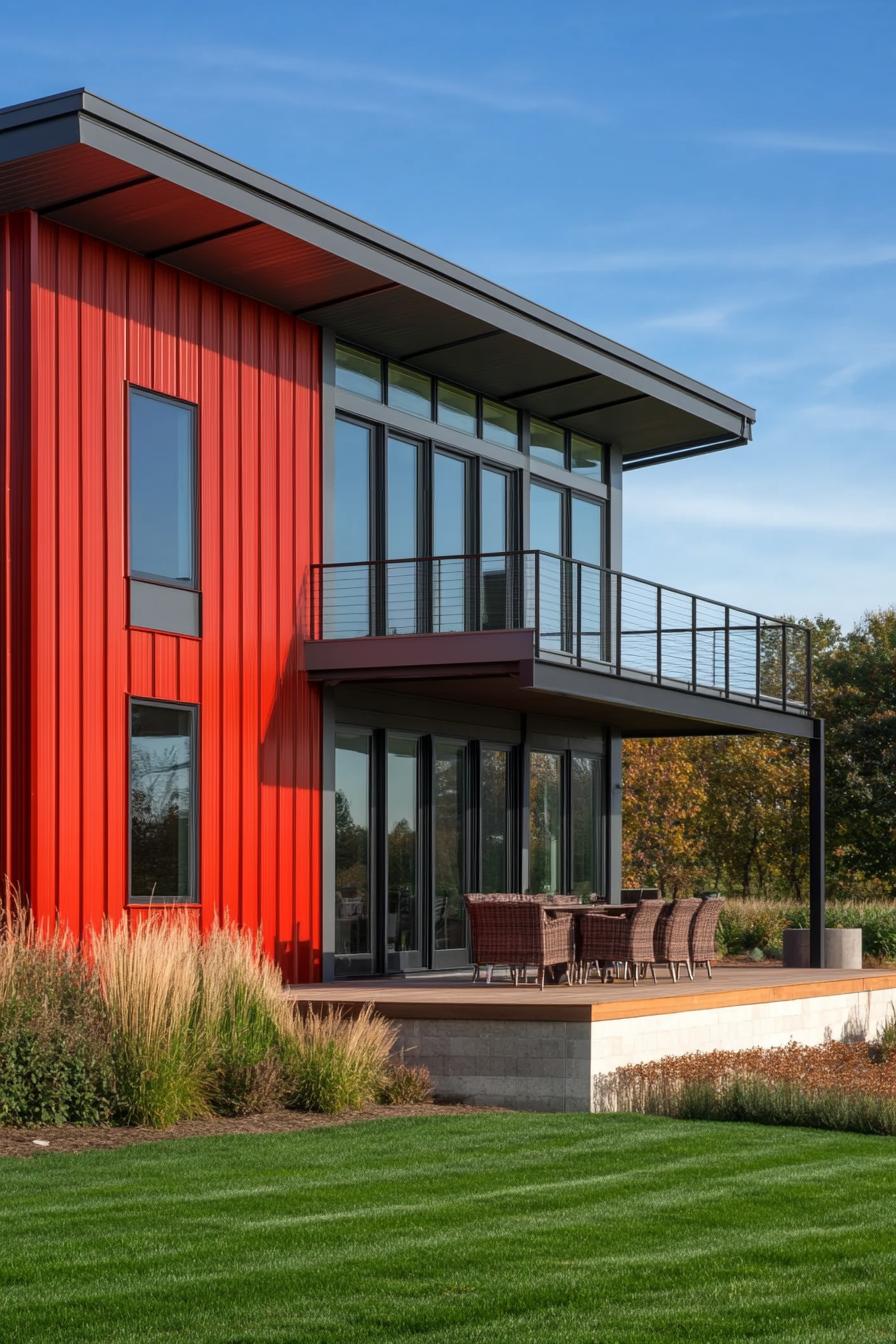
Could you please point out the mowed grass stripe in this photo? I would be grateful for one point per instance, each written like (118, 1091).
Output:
(624, 1228)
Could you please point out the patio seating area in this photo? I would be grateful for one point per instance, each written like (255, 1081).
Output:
(562, 936)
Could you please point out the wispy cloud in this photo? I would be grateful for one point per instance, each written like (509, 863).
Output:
(808, 142)
(860, 515)
(808, 256)
(494, 89)
(711, 317)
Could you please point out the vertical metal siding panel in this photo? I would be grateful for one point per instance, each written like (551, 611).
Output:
(43, 595)
(141, 664)
(188, 338)
(115, 774)
(269, 653)
(164, 331)
(188, 684)
(165, 667)
(249, 502)
(284, 729)
(211, 728)
(139, 321)
(309, 793)
(232, 818)
(92, 747)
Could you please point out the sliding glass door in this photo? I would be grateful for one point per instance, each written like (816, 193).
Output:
(403, 945)
(449, 834)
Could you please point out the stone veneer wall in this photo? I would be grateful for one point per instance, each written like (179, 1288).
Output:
(551, 1066)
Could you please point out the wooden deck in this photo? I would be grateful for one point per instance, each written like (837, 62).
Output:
(457, 998)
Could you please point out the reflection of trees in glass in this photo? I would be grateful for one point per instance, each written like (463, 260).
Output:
(585, 786)
(449, 846)
(545, 821)
(351, 847)
(493, 795)
(403, 883)
(160, 819)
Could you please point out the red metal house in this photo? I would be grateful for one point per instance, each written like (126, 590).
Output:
(312, 611)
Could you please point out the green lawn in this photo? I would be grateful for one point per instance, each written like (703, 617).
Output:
(489, 1227)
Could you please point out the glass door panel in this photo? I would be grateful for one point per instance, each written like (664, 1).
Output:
(545, 822)
(495, 613)
(546, 534)
(402, 586)
(449, 848)
(346, 600)
(493, 837)
(449, 537)
(353, 936)
(585, 823)
(586, 544)
(402, 882)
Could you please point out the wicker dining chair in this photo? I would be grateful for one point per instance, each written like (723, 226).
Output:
(672, 937)
(472, 901)
(519, 934)
(605, 940)
(703, 932)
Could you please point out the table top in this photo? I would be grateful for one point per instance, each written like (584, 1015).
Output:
(577, 908)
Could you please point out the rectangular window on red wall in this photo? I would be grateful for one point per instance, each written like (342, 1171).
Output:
(162, 804)
(163, 532)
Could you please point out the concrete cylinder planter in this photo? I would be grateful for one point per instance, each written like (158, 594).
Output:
(842, 948)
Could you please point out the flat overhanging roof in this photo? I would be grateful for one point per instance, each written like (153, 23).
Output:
(89, 164)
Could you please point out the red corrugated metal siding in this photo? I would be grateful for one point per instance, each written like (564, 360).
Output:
(15, 336)
(103, 318)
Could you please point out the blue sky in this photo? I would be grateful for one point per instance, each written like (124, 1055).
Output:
(711, 183)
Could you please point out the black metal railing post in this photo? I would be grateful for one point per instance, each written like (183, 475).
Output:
(727, 652)
(693, 643)
(784, 668)
(619, 625)
(579, 615)
(659, 634)
(537, 603)
(808, 687)
(759, 660)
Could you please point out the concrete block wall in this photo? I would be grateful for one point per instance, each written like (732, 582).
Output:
(551, 1066)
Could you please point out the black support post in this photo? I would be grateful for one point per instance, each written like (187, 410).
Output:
(816, 846)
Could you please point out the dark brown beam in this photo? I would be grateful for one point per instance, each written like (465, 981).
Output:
(550, 387)
(346, 298)
(598, 406)
(202, 238)
(95, 195)
(450, 345)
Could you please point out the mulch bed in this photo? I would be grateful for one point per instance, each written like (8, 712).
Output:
(84, 1138)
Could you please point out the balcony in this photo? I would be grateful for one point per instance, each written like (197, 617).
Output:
(539, 618)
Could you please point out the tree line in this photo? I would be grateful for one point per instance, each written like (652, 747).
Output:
(731, 813)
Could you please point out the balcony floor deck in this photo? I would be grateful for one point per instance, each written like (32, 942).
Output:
(456, 997)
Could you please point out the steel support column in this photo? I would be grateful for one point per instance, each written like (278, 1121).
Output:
(816, 846)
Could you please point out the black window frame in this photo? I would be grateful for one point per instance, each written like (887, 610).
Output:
(194, 899)
(193, 585)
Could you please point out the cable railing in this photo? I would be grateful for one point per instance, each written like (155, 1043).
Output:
(580, 614)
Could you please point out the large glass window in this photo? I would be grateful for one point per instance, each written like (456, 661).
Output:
(449, 538)
(403, 932)
(586, 599)
(495, 598)
(449, 835)
(546, 535)
(500, 423)
(162, 472)
(586, 457)
(545, 822)
(352, 849)
(402, 580)
(457, 408)
(346, 601)
(547, 442)
(410, 391)
(162, 802)
(585, 821)
(493, 839)
(358, 371)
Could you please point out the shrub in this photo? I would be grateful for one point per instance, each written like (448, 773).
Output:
(56, 1063)
(839, 1085)
(150, 978)
(245, 1019)
(336, 1063)
(406, 1085)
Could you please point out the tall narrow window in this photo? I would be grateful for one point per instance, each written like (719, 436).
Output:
(162, 802)
(346, 595)
(585, 822)
(352, 857)
(450, 926)
(402, 913)
(494, 777)
(545, 822)
(162, 473)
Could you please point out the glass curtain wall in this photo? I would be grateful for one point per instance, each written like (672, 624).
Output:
(494, 842)
(402, 876)
(546, 534)
(346, 601)
(353, 936)
(449, 846)
(449, 536)
(545, 822)
(585, 790)
(494, 599)
(402, 493)
(586, 544)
